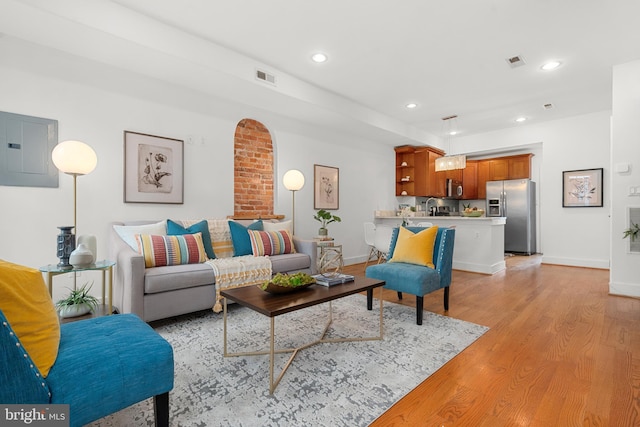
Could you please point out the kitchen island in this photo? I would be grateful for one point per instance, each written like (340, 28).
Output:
(479, 245)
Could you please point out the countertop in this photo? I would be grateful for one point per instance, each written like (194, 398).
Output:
(494, 219)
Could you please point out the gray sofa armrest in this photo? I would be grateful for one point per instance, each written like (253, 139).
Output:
(128, 275)
(309, 247)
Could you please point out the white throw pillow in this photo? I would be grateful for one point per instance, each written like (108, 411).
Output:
(128, 232)
(277, 226)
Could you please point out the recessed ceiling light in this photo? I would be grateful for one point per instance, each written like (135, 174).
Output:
(453, 132)
(411, 105)
(319, 57)
(521, 119)
(551, 65)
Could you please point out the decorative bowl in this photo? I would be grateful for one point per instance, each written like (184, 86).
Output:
(272, 288)
(284, 283)
(473, 214)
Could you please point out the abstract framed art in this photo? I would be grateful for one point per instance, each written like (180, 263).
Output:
(326, 182)
(153, 169)
(582, 188)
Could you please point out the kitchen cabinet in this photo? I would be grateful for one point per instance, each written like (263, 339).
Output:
(501, 168)
(498, 169)
(429, 182)
(405, 171)
(483, 177)
(520, 166)
(416, 173)
(470, 180)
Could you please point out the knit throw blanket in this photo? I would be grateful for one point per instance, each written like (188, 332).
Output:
(239, 271)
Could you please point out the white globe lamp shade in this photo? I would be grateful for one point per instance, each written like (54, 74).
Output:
(74, 158)
(293, 180)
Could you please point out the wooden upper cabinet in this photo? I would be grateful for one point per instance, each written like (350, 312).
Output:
(436, 179)
(416, 172)
(427, 179)
(418, 164)
(455, 174)
(501, 168)
(498, 169)
(405, 170)
(483, 177)
(520, 166)
(470, 180)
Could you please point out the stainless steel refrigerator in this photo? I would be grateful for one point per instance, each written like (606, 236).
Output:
(516, 200)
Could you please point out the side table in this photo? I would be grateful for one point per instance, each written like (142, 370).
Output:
(52, 270)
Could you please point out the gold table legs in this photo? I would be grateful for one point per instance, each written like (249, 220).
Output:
(294, 351)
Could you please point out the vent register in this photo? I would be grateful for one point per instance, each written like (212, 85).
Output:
(265, 77)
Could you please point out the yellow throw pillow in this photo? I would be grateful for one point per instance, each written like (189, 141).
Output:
(28, 307)
(415, 248)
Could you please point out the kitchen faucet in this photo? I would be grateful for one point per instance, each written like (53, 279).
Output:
(426, 204)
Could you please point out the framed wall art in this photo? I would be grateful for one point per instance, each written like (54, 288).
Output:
(633, 219)
(582, 188)
(153, 169)
(326, 187)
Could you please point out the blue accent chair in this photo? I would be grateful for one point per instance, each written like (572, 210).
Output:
(103, 365)
(416, 279)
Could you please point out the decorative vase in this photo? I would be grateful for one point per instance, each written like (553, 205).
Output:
(323, 232)
(73, 310)
(66, 244)
(81, 256)
(90, 241)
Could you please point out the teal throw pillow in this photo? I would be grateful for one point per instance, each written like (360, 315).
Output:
(240, 237)
(175, 229)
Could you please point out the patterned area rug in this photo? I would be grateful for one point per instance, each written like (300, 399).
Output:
(330, 384)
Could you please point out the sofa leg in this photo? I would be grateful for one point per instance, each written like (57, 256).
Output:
(419, 308)
(369, 299)
(161, 409)
(446, 299)
(399, 295)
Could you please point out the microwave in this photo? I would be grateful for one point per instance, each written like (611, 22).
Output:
(453, 189)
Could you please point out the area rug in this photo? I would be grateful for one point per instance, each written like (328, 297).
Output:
(330, 384)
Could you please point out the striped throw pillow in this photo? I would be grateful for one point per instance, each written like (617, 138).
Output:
(271, 242)
(159, 251)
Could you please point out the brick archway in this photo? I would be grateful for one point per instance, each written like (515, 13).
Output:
(253, 169)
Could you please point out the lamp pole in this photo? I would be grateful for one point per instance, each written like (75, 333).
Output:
(293, 212)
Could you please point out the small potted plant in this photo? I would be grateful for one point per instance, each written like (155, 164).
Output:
(78, 302)
(632, 232)
(325, 218)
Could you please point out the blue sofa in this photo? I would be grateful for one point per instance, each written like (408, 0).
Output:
(416, 279)
(103, 365)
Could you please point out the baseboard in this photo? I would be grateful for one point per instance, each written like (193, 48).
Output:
(480, 268)
(577, 262)
(625, 289)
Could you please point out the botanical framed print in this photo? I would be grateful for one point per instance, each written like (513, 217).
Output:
(325, 187)
(633, 219)
(582, 188)
(153, 169)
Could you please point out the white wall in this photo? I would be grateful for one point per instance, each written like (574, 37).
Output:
(569, 236)
(625, 273)
(29, 216)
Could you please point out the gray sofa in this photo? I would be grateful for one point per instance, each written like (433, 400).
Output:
(161, 292)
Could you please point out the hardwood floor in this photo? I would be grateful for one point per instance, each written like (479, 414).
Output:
(560, 352)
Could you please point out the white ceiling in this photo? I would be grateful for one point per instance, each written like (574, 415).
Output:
(449, 57)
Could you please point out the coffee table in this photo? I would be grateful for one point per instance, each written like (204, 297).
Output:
(273, 305)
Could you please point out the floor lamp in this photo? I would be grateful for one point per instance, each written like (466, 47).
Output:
(74, 158)
(293, 181)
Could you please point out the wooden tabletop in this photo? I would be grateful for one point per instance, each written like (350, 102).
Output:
(272, 305)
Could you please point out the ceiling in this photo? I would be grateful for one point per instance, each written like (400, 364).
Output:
(449, 57)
